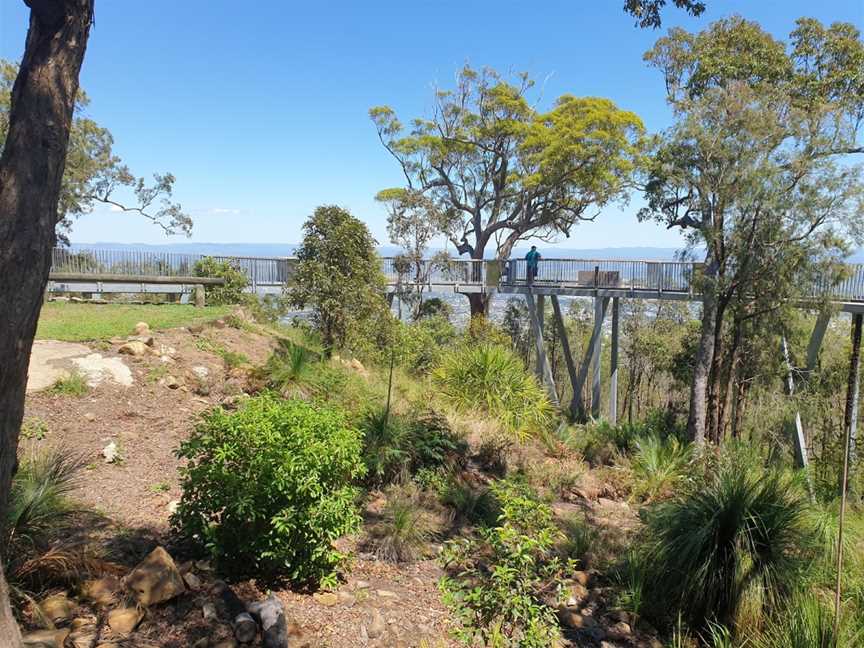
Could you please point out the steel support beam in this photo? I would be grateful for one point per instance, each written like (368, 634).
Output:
(853, 388)
(577, 406)
(541, 316)
(565, 342)
(816, 339)
(800, 442)
(545, 371)
(613, 366)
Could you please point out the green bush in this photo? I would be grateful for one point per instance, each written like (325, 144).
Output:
(496, 584)
(72, 385)
(231, 292)
(492, 379)
(267, 489)
(728, 550)
(399, 443)
(424, 342)
(659, 465)
(807, 621)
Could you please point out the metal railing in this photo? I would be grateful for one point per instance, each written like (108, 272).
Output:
(661, 276)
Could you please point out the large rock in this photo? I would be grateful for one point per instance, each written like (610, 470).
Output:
(142, 328)
(57, 609)
(134, 348)
(102, 591)
(155, 579)
(146, 339)
(124, 620)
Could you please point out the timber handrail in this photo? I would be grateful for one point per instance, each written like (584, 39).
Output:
(124, 278)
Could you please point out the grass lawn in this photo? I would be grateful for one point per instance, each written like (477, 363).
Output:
(78, 322)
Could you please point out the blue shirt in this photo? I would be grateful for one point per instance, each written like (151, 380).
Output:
(532, 258)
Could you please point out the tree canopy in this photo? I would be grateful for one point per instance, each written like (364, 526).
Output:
(94, 173)
(648, 12)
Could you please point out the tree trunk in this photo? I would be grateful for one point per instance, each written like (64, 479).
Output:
(479, 303)
(31, 171)
(704, 356)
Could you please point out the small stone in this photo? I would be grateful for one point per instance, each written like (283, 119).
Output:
(111, 453)
(134, 348)
(89, 416)
(102, 591)
(192, 581)
(203, 642)
(576, 595)
(144, 339)
(347, 599)
(582, 577)
(386, 593)
(377, 626)
(172, 506)
(219, 323)
(170, 382)
(156, 578)
(621, 630)
(208, 610)
(142, 328)
(361, 584)
(82, 622)
(203, 565)
(573, 619)
(201, 372)
(124, 620)
(328, 599)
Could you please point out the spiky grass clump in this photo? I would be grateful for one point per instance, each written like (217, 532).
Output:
(491, 379)
(807, 621)
(72, 385)
(658, 465)
(727, 551)
(289, 363)
(406, 526)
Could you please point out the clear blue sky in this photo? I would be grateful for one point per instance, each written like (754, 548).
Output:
(260, 108)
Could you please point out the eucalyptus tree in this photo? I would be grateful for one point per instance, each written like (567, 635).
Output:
(648, 12)
(757, 168)
(496, 170)
(94, 173)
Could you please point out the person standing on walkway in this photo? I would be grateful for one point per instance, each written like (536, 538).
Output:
(531, 260)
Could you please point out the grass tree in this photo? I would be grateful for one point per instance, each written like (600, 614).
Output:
(495, 170)
(757, 167)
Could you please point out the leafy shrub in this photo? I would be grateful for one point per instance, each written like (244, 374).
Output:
(405, 527)
(289, 363)
(496, 585)
(658, 465)
(492, 379)
(231, 292)
(728, 550)
(267, 489)
(425, 341)
(400, 443)
(470, 501)
(434, 307)
(34, 427)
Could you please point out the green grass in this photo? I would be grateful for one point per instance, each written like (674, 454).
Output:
(81, 322)
(72, 385)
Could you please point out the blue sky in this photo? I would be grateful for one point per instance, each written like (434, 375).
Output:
(260, 109)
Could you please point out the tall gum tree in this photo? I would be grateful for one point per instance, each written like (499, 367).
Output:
(758, 168)
(31, 173)
(498, 171)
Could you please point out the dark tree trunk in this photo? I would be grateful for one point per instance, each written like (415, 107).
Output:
(704, 356)
(31, 171)
(479, 303)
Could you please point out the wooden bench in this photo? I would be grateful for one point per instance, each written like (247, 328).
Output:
(60, 282)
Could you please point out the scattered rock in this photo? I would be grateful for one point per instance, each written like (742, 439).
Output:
(172, 506)
(361, 584)
(124, 620)
(621, 630)
(142, 328)
(111, 453)
(208, 610)
(102, 591)
(201, 372)
(347, 599)
(377, 625)
(203, 642)
(83, 639)
(134, 348)
(226, 643)
(576, 595)
(386, 593)
(145, 339)
(45, 639)
(170, 382)
(192, 581)
(573, 619)
(96, 369)
(57, 609)
(155, 579)
(83, 622)
(219, 323)
(582, 577)
(89, 416)
(326, 598)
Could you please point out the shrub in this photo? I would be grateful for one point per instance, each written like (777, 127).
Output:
(807, 621)
(492, 379)
(231, 292)
(398, 443)
(658, 465)
(72, 385)
(405, 527)
(288, 364)
(728, 550)
(425, 342)
(497, 584)
(268, 489)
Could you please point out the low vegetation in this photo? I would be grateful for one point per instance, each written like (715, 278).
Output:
(73, 384)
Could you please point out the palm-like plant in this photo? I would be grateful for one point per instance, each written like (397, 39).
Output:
(659, 465)
(727, 551)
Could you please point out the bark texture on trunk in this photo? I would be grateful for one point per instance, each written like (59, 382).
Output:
(704, 357)
(479, 303)
(31, 171)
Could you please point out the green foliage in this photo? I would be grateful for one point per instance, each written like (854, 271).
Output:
(34, 428)
(425, 341)
(434, 307)
(72, 385)
(267, 489)
(289, 363)
(395, 444)
(495, 584)
(659, 465)
(405, 527)
(807, 621)
(561, 164)
(231, 292)
(339, 277)
(728, 550)
(492, 379)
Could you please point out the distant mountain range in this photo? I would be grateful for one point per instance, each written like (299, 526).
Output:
(287, 249)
